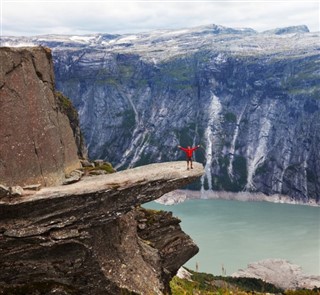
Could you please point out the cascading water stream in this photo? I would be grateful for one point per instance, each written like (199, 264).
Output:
(257, 150)
(210, 136)
(233, 143)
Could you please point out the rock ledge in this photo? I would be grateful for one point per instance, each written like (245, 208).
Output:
(89, 237)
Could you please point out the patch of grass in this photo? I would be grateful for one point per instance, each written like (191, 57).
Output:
(315, 291)
(66, 106)
(107, 167)
(208, 284)
(151, 215)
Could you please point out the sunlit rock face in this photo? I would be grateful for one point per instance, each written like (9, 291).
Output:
(250, 99)
(37, 144)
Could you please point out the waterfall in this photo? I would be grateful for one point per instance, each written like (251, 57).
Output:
(138, 135)
(139, 148)
(305, 182)
(286, 154)
(210, 136)
(257, 154)
(233, 143)
(258, 148)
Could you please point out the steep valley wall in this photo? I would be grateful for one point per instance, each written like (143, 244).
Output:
(250, 99)
(257, 117)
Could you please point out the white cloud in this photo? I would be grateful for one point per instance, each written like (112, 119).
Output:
(80, 17)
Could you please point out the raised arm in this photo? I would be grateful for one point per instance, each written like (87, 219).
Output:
(196, 147)
(181, 148)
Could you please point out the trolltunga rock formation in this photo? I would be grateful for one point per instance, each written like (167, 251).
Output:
(92, 237)
(37, 145)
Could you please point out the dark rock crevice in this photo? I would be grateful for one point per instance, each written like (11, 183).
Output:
(38, 162)
(14, 67)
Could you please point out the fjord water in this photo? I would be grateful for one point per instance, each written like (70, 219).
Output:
(231, 234)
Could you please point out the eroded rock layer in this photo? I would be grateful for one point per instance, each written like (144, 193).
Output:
(92, 237)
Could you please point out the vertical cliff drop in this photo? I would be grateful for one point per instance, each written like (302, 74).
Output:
(37, 144)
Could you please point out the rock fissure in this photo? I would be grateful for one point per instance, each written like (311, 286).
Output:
(13, 68)
(39, 162)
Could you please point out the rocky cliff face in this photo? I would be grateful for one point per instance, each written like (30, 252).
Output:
(92, 237)
(251, 99)
(37, 145)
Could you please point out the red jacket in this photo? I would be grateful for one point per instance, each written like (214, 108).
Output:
(189, 151)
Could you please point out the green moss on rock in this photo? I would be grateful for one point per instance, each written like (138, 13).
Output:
(106, 166)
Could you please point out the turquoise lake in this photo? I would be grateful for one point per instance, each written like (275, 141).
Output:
(231, 234)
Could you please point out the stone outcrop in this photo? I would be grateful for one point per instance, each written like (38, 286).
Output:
(91, 237)
(163, 233)
(37, 145)
(280, 273)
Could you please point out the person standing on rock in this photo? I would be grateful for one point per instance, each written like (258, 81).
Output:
(189, 151)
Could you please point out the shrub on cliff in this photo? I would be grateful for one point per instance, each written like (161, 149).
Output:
(65, 106)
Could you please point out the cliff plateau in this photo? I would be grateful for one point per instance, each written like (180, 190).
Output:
(92, 237)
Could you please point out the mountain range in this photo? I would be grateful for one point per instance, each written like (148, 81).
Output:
(252, 100)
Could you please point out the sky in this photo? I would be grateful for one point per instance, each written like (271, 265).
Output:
(40, 17)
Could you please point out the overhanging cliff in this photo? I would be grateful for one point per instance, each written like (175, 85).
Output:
(91, 237)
